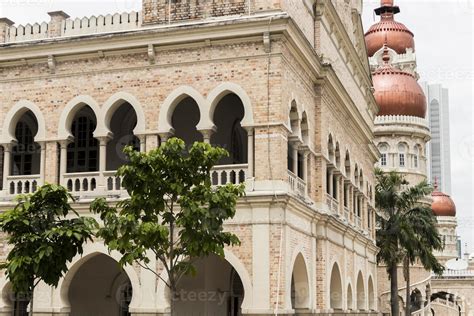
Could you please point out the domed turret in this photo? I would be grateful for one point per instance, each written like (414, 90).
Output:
(397, 92)
(442, 204)
(395, 34)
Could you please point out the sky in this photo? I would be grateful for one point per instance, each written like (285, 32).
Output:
(444, 38)
(444, 42)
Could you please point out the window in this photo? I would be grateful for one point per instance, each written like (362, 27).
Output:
(415, 161)
(383, 160)
(83, 153)
(402, 160)
(25, 153)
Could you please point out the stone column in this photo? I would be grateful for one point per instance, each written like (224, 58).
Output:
(54, 25)
(305, 172)
(294, 154)
(142, 139)
(102, 162)
(4, 26)
(331, 180)
(250, 152)
(63, 161)
(165, 136)
(206, 135)
(43, 162)
(6, 165)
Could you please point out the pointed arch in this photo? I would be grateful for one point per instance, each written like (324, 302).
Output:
(163, 295)
(173, 99)
(349, 297)
(360, 292)
(335, 287)
(371, 294)
(299, 282)
(113, 103)
(68, 113)
(221, 91)
(15, 114)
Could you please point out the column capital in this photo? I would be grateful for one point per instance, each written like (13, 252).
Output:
(207, 133)
(250, 130)
(66, 141)
(7, 146)
(103, 140)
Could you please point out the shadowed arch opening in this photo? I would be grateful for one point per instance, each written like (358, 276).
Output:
(300, 298)
(26, 153)
(350, 299)
(371, 294)
(184, 120)
(122, 124)
(360, 292)
(229, 134)
(100, 287)
(217, 285)
(16, 304)
(335, 288)
(331, 149)
(416, 300)
(294, 161)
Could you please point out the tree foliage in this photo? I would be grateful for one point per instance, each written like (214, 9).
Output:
(44, 237)
(173, 211)
(406, 227)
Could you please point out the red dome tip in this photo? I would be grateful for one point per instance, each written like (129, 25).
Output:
(442, 204)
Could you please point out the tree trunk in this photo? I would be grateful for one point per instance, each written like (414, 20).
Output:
(31, 302)
(406, 267)
(394, 290)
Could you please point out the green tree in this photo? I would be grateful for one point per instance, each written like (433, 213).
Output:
(406, 229)
(173, 211)
(427, 240)
(44, 236)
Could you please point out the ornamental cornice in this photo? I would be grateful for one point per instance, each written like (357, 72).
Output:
(335, 25)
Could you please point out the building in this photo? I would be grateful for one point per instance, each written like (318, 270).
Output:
(283, 85)
(416, 146)
(439, 149)
(401, 131)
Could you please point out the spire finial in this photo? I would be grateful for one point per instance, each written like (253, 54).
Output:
(385, 55)
(436, 183)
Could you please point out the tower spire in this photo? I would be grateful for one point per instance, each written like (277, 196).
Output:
(387, 9)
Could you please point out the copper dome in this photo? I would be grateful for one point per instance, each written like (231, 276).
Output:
(397, 36)
(397, 92)
(442, 204)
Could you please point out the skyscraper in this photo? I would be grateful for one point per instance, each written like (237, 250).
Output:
(439, 158)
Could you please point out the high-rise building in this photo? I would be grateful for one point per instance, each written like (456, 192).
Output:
(439, 158)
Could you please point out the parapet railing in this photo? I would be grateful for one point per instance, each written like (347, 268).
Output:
(62, 26)
(401, 119)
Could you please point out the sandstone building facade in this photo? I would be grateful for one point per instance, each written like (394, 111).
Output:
(283, 85)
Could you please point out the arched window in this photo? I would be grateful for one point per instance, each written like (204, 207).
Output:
(401, 155)
(229, 134)
(122, 123)
(26, 153)
(185, 117)
(416, 156)
(83, 152)
(383, 148)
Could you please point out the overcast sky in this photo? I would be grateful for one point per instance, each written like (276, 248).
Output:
(444, 34)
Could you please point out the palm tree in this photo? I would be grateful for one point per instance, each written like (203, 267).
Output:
(427, 239)
(405, 227)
